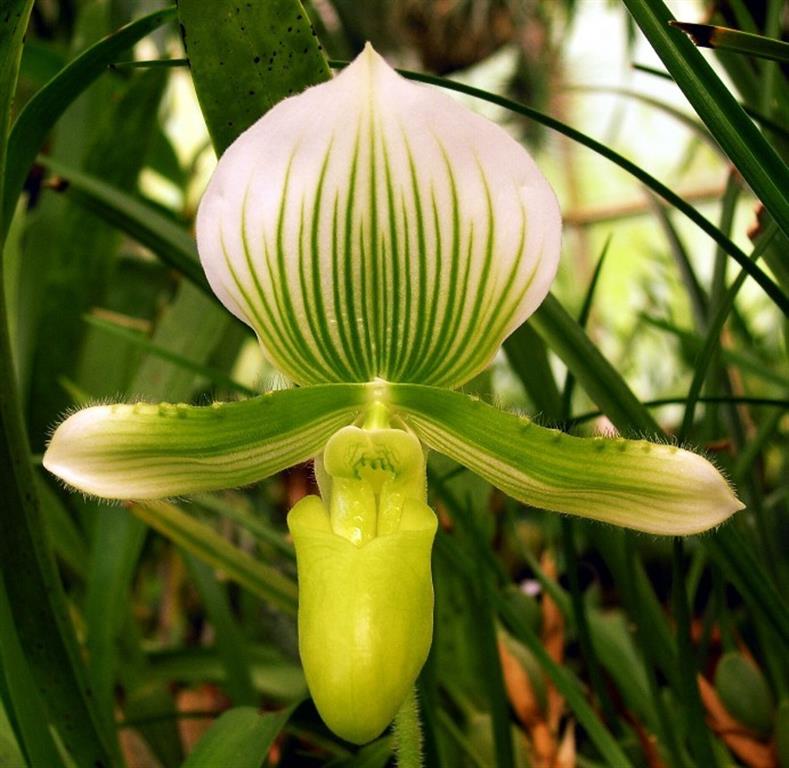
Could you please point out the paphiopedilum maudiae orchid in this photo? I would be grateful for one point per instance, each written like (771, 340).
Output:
(382, 241)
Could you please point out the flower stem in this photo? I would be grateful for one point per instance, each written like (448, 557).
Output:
(408, 733)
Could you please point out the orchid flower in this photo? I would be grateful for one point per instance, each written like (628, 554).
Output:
(382, 241)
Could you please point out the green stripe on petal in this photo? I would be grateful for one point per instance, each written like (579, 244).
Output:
(373, 228)
(646, 486)
(147, 451)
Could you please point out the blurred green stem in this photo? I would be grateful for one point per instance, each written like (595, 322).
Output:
(698, 734)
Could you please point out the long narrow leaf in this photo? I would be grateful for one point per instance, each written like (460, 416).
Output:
(205, 544)
(527, 355)
(756, 160)
(26, 709)
(725, 39)
(240, 738)
(714, 331)
(43, 110)
(169, 241)
(592, 371)
(230, 642)
(137, 339)
(12, 33)
(32, 582)
(583, 319)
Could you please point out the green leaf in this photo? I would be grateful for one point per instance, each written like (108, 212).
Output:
(650, 487)
(240, 738)
(527, 355)
(170, 241)
(205, 544)
(43, 110)
(32, 583)
(615, 649)
(274, 676)
(745, 693)
(80, 258)
(263, 530)
(757, 161)
(12, 32)
(715, 326)
(268, 51)
(725, 39)
(115, 547)
(138, 339)
(583, 319)
(26, 708)
(10, 753)
(66, 539)
(148, 451)
(696, 346)
(593, 372)
(230, 642)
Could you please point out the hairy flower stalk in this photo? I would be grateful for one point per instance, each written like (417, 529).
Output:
(382, 241)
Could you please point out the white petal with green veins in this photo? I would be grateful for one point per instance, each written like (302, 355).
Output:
(371, 227)
(147, 451)
(636, 484)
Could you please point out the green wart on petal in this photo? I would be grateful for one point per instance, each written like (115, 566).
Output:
(371, 227)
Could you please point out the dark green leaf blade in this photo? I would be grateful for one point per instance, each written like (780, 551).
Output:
(240, 738)
(758, 162)
(268, 51)
(43, 110)
(713, 36)
(169, 241)
(32, 583)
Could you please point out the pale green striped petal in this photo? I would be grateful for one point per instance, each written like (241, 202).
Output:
(145, 451)
(650, 487)
(371, 227)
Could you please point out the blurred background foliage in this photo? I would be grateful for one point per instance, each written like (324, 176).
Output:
(173, 613)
